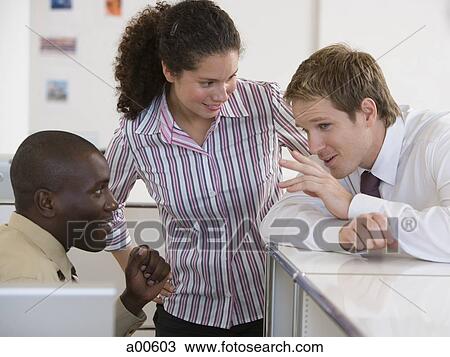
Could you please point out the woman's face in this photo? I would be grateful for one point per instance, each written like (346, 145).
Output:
(199, 94)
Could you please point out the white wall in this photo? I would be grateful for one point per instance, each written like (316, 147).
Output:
(14, 73)
(90, 109)
(418, 70)
(277, 36)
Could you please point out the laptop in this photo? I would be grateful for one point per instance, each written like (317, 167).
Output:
(71, 310)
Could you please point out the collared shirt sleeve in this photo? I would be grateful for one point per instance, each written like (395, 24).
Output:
(424, 234)
(302, 221)
(288, 134)
(126, 322)
(123, 177)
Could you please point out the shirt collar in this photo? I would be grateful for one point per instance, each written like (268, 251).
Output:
(148, 120)
(386, 163)
(157, 117)
(48, 244)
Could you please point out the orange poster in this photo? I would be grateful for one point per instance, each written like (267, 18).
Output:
(113, 7)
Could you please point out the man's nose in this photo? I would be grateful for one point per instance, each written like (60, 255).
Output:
(111, 203)
(315, 144)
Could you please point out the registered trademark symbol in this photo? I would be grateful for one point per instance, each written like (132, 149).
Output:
(409, 224)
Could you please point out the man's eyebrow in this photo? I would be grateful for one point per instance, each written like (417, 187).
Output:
(315, 120)
(101, 182)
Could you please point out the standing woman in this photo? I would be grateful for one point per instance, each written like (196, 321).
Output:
(206, 144)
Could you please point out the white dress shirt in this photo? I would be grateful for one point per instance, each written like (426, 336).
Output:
(414, 168)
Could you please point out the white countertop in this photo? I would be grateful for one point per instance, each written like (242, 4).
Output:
(312, 262)
(380, 296)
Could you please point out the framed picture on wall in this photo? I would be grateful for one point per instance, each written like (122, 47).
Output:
(61, 4)
(113, 7)
(58, 44)
(57, 90)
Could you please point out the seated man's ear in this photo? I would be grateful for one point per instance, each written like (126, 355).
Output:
(44, 201)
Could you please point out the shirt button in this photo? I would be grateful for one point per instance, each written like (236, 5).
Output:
(212, 194)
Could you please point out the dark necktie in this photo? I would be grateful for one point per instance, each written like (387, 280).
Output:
(74, 274)
(370, 184)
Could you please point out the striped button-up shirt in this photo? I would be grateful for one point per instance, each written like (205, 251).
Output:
(211, 198)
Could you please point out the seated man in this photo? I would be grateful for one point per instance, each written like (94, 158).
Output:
(387, 166)
(62, 200)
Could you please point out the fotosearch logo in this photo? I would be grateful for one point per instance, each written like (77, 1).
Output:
(324, 234)
(216, 234)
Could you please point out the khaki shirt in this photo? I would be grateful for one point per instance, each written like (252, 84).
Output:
(30, 254)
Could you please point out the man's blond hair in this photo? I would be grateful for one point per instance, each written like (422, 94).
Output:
(345, 77)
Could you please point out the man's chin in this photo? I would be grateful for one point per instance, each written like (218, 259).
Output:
(339, 173)
(92, 247)
(93, 239)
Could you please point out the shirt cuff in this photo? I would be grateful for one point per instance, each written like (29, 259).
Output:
(126, 322)
(119, 238)
(120, 245)
(362, 204)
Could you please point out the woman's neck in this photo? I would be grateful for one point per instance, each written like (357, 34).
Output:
(195, 126)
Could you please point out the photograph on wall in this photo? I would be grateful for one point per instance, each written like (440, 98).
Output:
(61, 4)
(57, 90)
(58, 44)
(113, 7)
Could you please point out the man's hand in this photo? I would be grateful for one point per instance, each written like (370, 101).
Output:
(317, 182)
(367, 232)
(167, 290)
(143, 285)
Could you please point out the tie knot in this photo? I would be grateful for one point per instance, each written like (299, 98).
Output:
(370, 184)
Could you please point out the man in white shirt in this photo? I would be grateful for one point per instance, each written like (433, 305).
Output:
(387, 182)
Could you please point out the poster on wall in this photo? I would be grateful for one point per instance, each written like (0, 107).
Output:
(58, 44)
(61, 4)
(57, 90)
(113, 7)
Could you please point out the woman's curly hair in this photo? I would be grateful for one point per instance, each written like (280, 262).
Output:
(180, 36)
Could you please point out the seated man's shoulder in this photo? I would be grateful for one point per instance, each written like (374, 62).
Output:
(20, 260)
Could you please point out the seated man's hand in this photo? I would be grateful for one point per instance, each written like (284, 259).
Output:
(150, 267)
(167, 290)
(367, 232)
(143, 284)
(317, 182)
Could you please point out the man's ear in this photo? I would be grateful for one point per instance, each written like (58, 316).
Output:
(369, 111)
(44, 200)
(170, 77)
